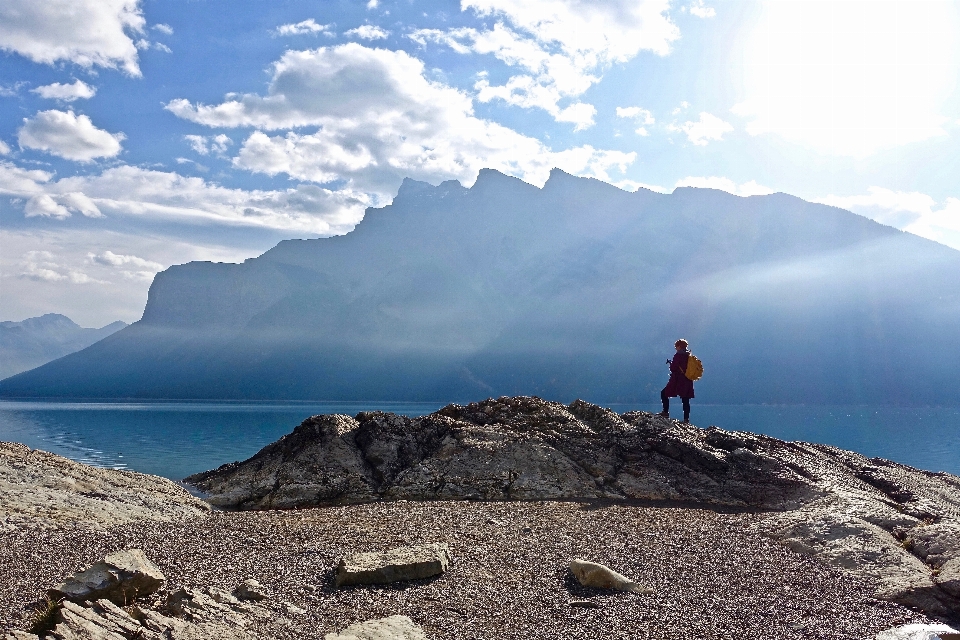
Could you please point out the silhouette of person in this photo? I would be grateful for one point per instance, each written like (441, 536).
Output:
(679, 384)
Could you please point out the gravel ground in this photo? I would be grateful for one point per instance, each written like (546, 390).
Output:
(711, 577)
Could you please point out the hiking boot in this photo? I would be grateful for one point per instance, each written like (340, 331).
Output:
(664, 414)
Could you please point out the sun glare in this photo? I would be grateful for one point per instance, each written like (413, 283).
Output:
(850, 77)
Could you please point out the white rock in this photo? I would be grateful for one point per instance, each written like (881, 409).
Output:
(392, 628)
(592, 574)
(916, 632)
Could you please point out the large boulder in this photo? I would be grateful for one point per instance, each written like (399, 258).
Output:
(395, 565)
(120, 577)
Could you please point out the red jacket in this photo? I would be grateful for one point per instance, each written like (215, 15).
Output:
(679, 384)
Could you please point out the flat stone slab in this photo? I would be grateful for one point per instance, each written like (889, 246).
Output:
(120, 578)
(392, 628)
(395, 565)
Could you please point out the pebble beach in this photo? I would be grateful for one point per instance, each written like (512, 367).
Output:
(712, 576)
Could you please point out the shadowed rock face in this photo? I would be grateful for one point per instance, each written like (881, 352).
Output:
(863, 515)
(511, 449)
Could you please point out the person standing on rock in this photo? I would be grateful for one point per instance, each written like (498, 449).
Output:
(679, 384)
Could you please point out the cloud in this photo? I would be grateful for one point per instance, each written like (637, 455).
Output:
(561, 45)
(850, 78)
(368, 32)
(163, 28)
(725, 184)
(308, 26)
(911, 211)
(66, 92)
(64, 134)
(86, 32)
(699, 9)
(4, 148)
(701, 132)
(143, 44)
(379, 120)
(641, 117)
(129, 266)
(168, 196)
(42, 266)
(205, 144)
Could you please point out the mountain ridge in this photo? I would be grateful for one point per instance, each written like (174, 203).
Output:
(32, 342)
(576, 289)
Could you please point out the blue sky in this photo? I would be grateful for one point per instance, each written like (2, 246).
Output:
(137, 134)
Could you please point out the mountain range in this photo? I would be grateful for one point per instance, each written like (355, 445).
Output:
(577, 289)
(32, 342)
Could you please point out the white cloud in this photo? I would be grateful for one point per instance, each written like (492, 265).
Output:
(205, 144)
(42, 266)
(910, 211)
(368, 32)
(64, 134)
(699, 9)
(373, 4)
(701, 132)
(725, 184)
(851, 78)
(306, 27)
(164, 28)
(4, 148)
(132, 191)
(640, 116)
(85, 32)
(66, 92)
(129, 266)
(562, 46)
(379, 120)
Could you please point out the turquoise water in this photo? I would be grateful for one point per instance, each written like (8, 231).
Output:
(175, 439)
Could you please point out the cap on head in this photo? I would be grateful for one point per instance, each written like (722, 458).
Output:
(681, 342)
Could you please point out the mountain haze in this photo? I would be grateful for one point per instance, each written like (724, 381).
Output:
(578, 289)
(36, 341)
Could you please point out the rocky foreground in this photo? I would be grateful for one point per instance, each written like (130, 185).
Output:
(874, 518)
(709, 534)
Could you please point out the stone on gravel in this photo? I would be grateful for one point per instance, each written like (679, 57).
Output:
(43, 490)
(392, 628)
(395, 565)
(120, 577)
(250, 589)
(592, 574)
(917, 632)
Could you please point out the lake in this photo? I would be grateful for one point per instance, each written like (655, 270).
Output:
(176, 439)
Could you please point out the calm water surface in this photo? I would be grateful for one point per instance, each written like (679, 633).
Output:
(175, 439)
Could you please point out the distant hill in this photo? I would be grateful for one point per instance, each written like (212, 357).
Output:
(578, 289)
(36, 341)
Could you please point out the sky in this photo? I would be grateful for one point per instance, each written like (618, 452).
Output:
(139, 134)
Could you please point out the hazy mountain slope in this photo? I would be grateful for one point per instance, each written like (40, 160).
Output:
(36, 341)
(575, 290)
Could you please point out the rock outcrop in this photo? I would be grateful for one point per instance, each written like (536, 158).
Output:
(189, 614)
(41, 489)
(120, 577)
(875, 518)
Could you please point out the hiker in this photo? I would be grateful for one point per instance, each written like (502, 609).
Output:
(679, 384)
